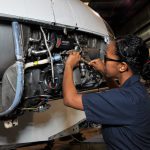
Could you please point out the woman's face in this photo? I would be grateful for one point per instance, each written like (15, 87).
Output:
(111, 63)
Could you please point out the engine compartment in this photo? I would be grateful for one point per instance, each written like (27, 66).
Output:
(45, 50)
(45, 60)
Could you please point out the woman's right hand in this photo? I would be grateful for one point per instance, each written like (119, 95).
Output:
(98, 65)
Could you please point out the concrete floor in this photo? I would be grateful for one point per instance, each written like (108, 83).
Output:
(91, 136)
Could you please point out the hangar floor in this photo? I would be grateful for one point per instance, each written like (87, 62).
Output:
(92, 141)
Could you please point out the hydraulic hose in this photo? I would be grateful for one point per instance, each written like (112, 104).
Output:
(20, 71)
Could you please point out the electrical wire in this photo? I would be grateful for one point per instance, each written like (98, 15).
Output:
(78, 43)
(49, 52)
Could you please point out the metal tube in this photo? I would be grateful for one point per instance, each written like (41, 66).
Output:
(38, 53)
(36, 63)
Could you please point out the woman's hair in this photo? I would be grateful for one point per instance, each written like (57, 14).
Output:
(133, 50)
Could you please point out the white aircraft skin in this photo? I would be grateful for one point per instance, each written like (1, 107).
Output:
(40, 126)
(72, 13)
(66, 13)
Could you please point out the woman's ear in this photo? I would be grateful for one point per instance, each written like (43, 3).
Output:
(123, 67)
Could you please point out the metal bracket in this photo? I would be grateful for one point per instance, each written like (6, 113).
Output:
(10, 123)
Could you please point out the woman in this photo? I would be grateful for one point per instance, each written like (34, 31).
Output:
(123, 111)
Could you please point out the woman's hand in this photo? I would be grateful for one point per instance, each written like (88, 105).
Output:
(98, 65)
(73, 59)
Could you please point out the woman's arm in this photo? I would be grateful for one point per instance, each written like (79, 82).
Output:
(70, 96)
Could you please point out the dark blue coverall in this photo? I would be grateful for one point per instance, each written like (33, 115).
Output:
(124, 113)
